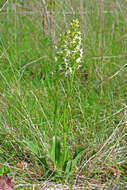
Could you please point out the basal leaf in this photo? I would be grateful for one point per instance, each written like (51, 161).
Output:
(31, 146)
(55, 150)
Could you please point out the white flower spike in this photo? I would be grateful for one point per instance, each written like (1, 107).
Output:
(70, 52)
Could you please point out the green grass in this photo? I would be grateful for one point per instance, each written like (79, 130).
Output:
(97, 114)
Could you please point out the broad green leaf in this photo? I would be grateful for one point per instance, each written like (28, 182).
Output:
(72, 164)
(58, 150)
(77, 151)
(55, 150)
(43, 161)
(52, 149)
(76, 159)
(68, 168)
(31, 146)
(65, 157)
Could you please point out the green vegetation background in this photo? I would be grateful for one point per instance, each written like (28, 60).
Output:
(27, 87)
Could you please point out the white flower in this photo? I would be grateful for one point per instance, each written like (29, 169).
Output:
(77, 38)
(78, 60)
(78, 47)
(74, 51)
(81, 53)
(78, 66)
(60, 68)
(79, 33)
(69, 71)
(65, 45)
(65, 61)
(68, 52)
(59, 52)
(56, 58)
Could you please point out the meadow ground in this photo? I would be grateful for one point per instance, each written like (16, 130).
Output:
(31, 112)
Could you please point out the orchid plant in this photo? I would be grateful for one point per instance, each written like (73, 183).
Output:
(69, 55)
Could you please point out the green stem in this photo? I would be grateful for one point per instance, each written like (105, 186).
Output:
(71, 82)
(65, 113)
(56, 109)
(65, 129)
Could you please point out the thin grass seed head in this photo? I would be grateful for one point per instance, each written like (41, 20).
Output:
(69, 52)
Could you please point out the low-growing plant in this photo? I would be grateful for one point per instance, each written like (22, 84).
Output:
(69, 54)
